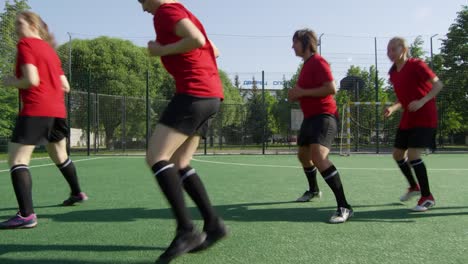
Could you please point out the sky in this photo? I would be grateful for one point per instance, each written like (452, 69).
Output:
(255, 35)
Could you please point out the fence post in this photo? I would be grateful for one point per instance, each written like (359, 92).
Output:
(124, 121)
(376, 100)
(147, 109)
(69, 94)
(88, 141)
(265, 115)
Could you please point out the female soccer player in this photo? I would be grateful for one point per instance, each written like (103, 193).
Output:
(41, 121)
(314, 91)
(415, 86)
(190, 58)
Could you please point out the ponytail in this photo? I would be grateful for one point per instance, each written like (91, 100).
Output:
(35, 20)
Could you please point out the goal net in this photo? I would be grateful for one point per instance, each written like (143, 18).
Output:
(364, 129)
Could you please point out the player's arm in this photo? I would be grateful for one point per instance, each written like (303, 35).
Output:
(191, 38)
(328, 88)
(30, 78)
(436, 88)
(65, 84)
(391, 109)
(215, 49)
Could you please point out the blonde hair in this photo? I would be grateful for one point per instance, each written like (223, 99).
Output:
(399, 41)
(35, 20)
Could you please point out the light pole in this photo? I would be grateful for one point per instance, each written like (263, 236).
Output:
(320, 43)
(432, 55)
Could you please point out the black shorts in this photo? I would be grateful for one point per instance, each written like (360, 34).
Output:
(38, 130)
(419, 137)
(189, 114)
(320, 129)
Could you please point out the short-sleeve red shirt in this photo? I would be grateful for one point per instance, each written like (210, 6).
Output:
(195, 72)
(46, 99)
(314, 73)
(412, 83)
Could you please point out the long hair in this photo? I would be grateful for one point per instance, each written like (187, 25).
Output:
(35, 20)
(399, 41)
(308, 38)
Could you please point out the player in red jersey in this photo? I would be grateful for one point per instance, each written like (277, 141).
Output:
(415, 86)
(41, 121)
(190, 57)
(314, 90)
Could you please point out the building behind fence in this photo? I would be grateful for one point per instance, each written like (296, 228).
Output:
(103, 123)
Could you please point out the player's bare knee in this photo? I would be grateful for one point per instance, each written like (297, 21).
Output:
(398, 155)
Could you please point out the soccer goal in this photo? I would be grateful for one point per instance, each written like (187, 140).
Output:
(364, 129)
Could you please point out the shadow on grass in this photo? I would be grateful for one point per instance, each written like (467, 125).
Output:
(58, 261)
(262, 212)
(15, 209)
(85, 248)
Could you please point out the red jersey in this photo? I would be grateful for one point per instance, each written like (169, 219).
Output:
(412, 83)
(314, 73)
(195, 72)
(46, 99)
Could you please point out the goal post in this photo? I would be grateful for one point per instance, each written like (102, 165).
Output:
(363, 130)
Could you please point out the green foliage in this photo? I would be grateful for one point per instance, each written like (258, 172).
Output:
(118, 68)
(416, 49)
(8, 95)
(281, 110)
(366, 93)
(453, 98)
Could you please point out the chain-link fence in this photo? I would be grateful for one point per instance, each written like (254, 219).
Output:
(118, 95)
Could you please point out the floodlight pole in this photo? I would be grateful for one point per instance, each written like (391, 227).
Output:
(432, 55)
(320, 43)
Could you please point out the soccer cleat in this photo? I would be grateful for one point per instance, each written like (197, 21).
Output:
(410, 193)
(212, 236)
(19, 221)
(182, 243)
(341, 215)
(81, 197)
(424, 203)
(309, 195)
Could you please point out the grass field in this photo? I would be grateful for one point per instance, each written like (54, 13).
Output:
(127, 220)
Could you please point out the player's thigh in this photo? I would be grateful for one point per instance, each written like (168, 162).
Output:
(163, 143)
(319, 154)
(303, 154)
(19, 154)
(58, 151)
(184, 153)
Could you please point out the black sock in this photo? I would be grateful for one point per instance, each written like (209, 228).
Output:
(196, 190)
(22, 184)
(69, 172)
(169, 182)
(421, 173)
(311, 174)
(332, 177)
(406, 170)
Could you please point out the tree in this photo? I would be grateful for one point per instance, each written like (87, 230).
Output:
(115, 71)
(453, 99)
(260, 123)
(228, 121)
(8, 40)
(365, 117)
(416, 49)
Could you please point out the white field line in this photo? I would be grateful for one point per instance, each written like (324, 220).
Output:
(53, 164)
(296, 167)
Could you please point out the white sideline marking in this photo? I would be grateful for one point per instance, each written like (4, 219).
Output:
(296, 167)
(50, 164)
(6, 160)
